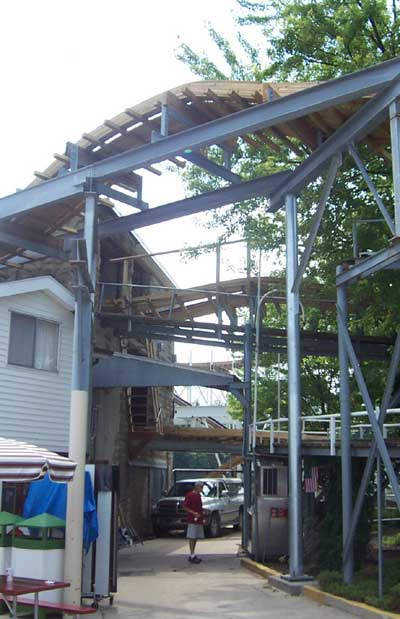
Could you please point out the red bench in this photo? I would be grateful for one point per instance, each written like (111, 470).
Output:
(67, 609)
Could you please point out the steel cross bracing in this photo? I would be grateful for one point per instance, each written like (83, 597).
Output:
(387, 217)
(353, 130)
(380, 83)
(385, 259)
(388, 400)
(380, 443)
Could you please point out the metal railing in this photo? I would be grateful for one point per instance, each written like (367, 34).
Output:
(324, 427)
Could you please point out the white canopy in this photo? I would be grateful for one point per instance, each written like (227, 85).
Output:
(23, 462)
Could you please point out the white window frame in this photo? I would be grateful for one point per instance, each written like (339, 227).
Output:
(44, 318)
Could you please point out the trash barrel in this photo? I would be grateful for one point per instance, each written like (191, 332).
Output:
(38, 551)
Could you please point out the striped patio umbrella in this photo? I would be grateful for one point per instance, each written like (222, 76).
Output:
(23, 462)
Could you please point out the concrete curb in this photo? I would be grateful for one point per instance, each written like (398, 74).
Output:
(258, 568)
(316, 595)
(349, 606)
(273, 577)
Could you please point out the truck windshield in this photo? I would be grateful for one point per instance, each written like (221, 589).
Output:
(183, 487)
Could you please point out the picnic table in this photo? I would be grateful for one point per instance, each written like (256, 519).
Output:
(22, 586)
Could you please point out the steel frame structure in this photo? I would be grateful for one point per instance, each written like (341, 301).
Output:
(386, 258)
(233, 337)
(381, 85)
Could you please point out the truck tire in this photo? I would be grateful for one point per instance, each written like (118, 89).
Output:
(214, 528)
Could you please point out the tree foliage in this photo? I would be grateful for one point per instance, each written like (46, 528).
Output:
(320, 40)
(323, 518)
(300, 40)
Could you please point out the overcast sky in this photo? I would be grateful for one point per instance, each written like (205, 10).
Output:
(68, 66)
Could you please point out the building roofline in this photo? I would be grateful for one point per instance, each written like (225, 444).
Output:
(42, 283)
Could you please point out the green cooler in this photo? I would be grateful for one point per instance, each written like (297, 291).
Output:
(39, 551)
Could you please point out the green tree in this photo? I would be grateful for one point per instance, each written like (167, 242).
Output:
(320, 40)
(309, 40)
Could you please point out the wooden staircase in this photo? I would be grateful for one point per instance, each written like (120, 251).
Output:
(138, 407)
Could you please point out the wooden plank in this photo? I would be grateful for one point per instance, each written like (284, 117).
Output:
(111, 150)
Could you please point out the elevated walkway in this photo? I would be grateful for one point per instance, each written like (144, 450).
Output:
(269, 443)
(317, 343)
(231, 294)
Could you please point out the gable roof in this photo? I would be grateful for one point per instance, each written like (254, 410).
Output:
(44, 283)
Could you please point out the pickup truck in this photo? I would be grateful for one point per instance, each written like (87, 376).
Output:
(222, 505)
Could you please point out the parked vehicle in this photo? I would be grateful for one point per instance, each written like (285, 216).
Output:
(222, 505)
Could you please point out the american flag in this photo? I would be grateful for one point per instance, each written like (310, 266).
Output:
(311, 482)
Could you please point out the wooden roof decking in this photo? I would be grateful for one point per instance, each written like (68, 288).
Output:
(232, 294)
(198, 102)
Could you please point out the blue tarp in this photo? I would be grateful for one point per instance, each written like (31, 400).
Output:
(45, 496)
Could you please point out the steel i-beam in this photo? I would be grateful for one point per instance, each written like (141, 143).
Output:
(345, 443)
(354, 129)
(376, 262)
(322, 96)
(294, 399)
(196, 204)
(246, 438)
(395, 141)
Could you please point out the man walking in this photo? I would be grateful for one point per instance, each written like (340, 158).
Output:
(194, 509)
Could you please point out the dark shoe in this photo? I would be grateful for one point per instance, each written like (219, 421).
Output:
(194, 560)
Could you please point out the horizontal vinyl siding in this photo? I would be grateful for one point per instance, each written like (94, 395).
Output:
(34, 404)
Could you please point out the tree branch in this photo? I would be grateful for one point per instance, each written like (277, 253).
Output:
(377, 38)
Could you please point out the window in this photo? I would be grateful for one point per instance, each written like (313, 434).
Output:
(270, 481)
(33, 342)
(181, 488)
(222, 487)
(209, 489)
(233, 488)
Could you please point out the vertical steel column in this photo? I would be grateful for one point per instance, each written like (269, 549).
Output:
(246, 438)
(294, 395)
(218, 281)
(248, 287)
(79, 412)
(394, 111)
(379, 510)
(345, 442)
(164, 128)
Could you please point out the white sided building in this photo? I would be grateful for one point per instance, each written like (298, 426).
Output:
(36, 333)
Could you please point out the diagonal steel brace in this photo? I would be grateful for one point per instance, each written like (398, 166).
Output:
(386, 215)
(330, 179)
(370, 464)
(380, 442)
